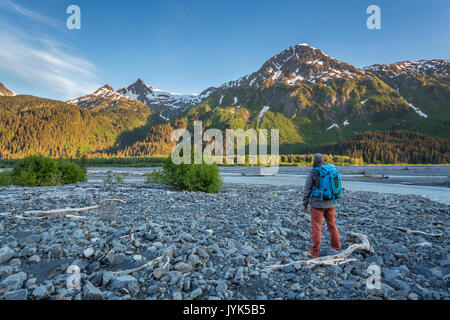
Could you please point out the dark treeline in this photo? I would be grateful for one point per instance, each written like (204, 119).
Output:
(391, 147)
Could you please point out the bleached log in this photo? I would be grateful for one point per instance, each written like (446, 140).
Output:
(25, 218)
(434, 235)
(148, 264)
(118, 200)
(348, 214)
(61, 210)
(74, 216)
(337, 259)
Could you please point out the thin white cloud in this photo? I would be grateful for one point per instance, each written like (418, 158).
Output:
(14, 7)
(42, 62)
(47, 66)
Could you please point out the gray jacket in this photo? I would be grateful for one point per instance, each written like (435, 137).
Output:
(313, 180)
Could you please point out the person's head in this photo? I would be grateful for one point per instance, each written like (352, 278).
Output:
(318, 159)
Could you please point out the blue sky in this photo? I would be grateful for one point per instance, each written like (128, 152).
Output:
(187, 46)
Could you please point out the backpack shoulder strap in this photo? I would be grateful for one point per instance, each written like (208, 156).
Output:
(321, 170)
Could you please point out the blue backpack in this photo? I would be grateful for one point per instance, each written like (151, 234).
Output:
(329, 182)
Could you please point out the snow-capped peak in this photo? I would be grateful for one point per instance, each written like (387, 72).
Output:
(299, 63)
(166, 102)
(436, 66)
(103, 95)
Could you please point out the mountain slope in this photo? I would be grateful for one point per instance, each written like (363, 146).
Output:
(5, 91)
(425, 84)
(167, 104)
(31, 125)
(310, 97)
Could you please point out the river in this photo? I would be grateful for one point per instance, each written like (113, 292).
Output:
(428, 181)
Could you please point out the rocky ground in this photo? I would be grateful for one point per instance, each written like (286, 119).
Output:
(215, 246)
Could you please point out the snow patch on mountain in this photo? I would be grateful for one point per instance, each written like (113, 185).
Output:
(334, 125)
(261, 114)
(418, 111)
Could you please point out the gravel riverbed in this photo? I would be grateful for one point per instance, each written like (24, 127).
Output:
(215, 246)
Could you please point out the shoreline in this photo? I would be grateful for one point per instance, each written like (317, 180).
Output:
(220, 244)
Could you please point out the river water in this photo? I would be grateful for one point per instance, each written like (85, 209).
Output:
(434, 180)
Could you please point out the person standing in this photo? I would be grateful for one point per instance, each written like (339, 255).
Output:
(320, 208)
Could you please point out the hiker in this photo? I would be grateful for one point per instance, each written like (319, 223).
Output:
(322, 202)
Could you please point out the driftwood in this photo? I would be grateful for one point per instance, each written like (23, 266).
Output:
(408, 231)
(75, 217)
(61, 210)
(349, 214)
(337, 259)
(25, 218)
(148, 264)
(434, 235)
(118, 200)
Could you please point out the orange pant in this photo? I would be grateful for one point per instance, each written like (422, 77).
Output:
(316, 228)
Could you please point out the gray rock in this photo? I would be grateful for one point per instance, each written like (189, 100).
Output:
(21, 294)
(43, 291)
(196, 293)
(296, 287)
(91, 292)
(119, 258)
(375, 260)
(177, 296)
(35, 258)
(106, 277)
(183, 267)
(170, 251)
(15, 263)
(6, 271)
(158, 273)
(6, 254)
(413, 296)
(14, 282)
(127, 282)
(193, 259)
(350, 284)
(89, 252)
(422, 270)
(221, 287)
(153, 289)
(239, 276)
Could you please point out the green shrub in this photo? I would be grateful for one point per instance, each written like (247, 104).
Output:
(203, 177)
(108, 178)
(71, 172)
(192, 177)
(40, 171)
(6, 178)
(113, 179)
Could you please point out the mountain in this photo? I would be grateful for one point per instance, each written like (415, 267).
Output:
(297, 64)
(317, 103)
(310, 97)
(5, 91)
(103, 97)
(167, 104)
(102, 124)
(425, 85)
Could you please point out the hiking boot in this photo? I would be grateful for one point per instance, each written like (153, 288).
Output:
(310, 255)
